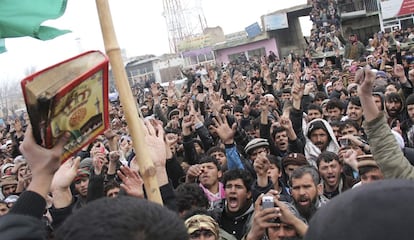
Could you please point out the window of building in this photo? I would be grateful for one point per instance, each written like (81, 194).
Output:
(256, 53)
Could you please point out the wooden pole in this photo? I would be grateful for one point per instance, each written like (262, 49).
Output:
(113, 51)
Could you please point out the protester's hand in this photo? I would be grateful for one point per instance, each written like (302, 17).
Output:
(171, 89)
(285, 122)
(174, 124)
(411, 74)
(200, 97)
(266, 73)
(223, 130)
(154, 139)
(185, 166)
(187, 124)
(397, 128)
(262, 219)
(98, 147)
(112, 138)
(171, 140)
(42, 162)
(215, 102)
(309, 87)
(155, 91)
(399, 71)
(352, 139)
(228, 81)
(114, 157)
(350, 157)
(132, 182)
(191, 108)
(193, 172)
(365, 77)
(98, 161)
(261, 165)
(297, 90)
(262, 104)
(65, 174)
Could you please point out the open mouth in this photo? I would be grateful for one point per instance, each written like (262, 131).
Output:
(232, 202)
(304, 202)
(331, 179)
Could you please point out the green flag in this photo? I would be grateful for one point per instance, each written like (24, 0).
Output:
(21, 18)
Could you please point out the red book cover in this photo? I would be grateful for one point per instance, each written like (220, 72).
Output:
(69, 96)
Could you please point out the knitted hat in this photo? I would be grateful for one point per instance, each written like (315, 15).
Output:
(82, 173)
(382, 74)
(86, 163)
(383, 210)
(255, 143)
(297, 159)
(409, 100)
(202, 222)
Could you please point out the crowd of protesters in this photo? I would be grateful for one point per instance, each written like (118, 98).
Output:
(296, 131)
(326, 24)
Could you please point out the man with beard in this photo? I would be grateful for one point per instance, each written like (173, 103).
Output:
(407, 126)
(394, 108)
(320, 137)
(307, 191)
(235, 219)
(331, 171)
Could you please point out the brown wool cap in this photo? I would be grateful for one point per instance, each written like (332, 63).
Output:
(297, 159)
(366, 161)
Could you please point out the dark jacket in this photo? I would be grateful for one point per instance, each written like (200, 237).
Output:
(23, 220)
(345, 183)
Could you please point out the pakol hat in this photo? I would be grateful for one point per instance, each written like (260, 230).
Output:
(366, 161)
(256, 143)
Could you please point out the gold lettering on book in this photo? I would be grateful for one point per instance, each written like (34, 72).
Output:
(77, 99)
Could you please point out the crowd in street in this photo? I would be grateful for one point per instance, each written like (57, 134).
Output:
(257, 149)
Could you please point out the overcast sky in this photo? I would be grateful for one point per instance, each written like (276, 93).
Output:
(139, 25)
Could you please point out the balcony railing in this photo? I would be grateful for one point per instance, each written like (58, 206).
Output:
(359, 5)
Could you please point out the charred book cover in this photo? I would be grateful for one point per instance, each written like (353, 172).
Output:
(69, 96)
